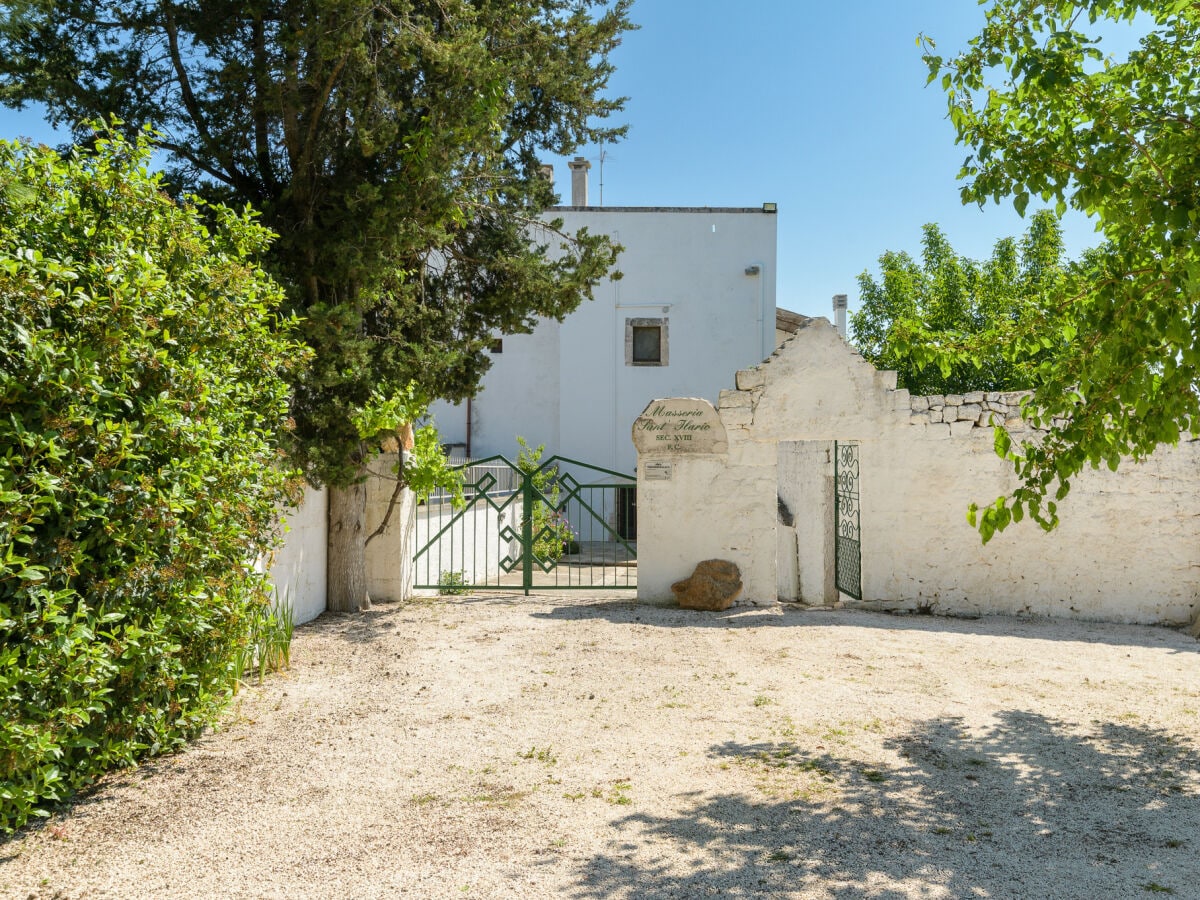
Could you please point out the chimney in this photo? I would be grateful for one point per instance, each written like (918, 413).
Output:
(579, 169)
(839, 314)
(547, 172)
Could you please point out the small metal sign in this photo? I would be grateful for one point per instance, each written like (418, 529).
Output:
(658, 471)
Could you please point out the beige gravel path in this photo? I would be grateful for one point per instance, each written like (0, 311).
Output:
(511, 747)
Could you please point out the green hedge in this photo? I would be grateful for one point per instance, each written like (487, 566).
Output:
(142, 394)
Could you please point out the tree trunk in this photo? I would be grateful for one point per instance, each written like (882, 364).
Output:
(346, 569)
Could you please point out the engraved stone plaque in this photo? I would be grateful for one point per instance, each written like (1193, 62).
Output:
(679, 426)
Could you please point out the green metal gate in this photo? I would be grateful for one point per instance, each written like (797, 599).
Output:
(847, 534)
(566, 525)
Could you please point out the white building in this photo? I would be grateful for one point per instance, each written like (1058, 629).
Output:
(696, 302)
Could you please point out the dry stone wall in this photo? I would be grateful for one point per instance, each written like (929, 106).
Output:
(962, 412)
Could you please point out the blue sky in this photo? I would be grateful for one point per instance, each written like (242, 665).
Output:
(819, 107)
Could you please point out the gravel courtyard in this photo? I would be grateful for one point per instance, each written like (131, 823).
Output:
(566, 746)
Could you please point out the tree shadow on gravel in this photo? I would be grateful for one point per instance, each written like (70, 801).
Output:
(1030, 807)
(626, 612)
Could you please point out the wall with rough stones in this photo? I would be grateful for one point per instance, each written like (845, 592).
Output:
(1128, 547)
(389, 556)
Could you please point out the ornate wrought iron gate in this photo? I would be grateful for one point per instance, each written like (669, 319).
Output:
(565, 525)
(847, 548)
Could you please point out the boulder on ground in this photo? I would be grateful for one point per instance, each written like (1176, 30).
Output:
(712, 586)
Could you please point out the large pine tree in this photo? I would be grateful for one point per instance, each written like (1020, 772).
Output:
(393, 146)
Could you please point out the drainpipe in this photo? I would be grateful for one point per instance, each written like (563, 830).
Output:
(468, 429)
(758, 270)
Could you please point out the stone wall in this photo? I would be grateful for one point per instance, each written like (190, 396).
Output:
(962, 412)
(1128, 547)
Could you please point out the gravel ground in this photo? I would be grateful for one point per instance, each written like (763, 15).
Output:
(561, 746)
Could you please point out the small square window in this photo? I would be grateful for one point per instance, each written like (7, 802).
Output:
(645, 342)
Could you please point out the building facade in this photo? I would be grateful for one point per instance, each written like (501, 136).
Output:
(696, 301)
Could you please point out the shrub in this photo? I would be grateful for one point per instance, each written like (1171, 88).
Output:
(452, 583)
(552, 533)
(142, 391)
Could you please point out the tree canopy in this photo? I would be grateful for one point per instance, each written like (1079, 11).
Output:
(951, 297)
(392, 145)
(1046, 114)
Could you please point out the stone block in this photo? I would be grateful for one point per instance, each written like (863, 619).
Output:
(938, 432)
(987, 418)
(713, 586)
(901, 399)
(1014, 423)
(919, 404)
(954, 400)
(737, 415)
(935, 415)
(995, 406)
(950, 413)
(992, 396)
(961, 427)
(734, 399)
(937, 400)
(751, 379)
(973, 397)
(919, 418)
(970, 411)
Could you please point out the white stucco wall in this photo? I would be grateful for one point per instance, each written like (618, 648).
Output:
(719, 505)
(1127, 548)
(298, 567)
(806, 488)
(519, 396)
(568, 386)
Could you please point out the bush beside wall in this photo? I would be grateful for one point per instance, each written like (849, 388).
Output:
(142, 394)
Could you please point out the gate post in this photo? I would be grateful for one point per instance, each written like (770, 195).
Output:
(527, 531)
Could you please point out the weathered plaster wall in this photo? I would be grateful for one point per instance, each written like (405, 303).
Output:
(389, 555)
(718, 503)
(298, 567)
(1127, 548)
(806, 489)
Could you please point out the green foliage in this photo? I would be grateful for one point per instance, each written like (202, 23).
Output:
(452, 583)
(552, 533)
(268, 645)
(914, 310)
(1045, 114)
(393, 145)
(142, 392)
(425, 468)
